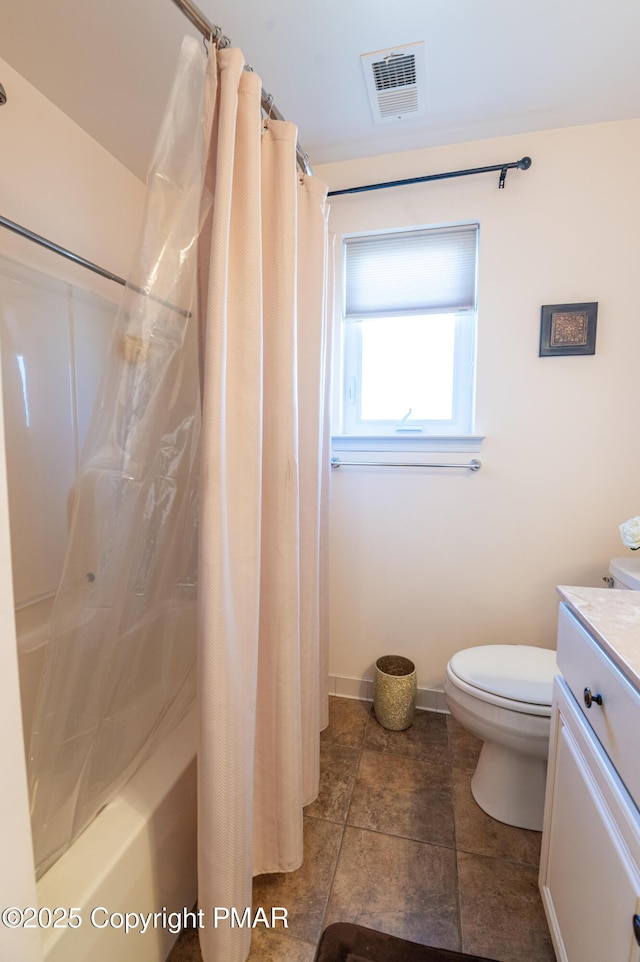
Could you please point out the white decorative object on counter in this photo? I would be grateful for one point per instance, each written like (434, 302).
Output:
(630, 533)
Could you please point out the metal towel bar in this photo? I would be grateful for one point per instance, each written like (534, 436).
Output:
(473, 465)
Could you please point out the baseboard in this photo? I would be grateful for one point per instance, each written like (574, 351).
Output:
(427, 699)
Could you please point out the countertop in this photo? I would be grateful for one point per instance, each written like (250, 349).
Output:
(612, 615)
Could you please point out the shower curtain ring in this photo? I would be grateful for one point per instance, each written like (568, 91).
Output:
(269, 105)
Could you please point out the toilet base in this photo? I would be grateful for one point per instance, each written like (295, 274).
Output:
(510, 786)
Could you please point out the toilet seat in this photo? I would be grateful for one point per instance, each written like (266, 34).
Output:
(516, 677)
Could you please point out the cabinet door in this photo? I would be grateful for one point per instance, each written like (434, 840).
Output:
(590, 879)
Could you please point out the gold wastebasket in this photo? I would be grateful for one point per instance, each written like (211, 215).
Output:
(394, 692)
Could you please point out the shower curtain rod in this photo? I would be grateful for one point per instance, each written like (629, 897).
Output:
(522, 164)
(216, 36)
(83, 262)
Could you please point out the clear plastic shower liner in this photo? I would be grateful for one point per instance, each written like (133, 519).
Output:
(119, 672)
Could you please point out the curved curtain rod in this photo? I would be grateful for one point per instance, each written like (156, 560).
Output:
(83, 262)
(522, 164)
(215, 34)
(57, 249)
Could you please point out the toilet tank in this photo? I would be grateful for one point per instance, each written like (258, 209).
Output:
(625, 572)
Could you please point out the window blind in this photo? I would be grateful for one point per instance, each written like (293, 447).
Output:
(411, 272)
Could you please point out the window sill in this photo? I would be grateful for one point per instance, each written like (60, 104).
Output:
(352, 443)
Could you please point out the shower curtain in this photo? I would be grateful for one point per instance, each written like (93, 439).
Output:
(210, 417)
(119, 670)
(262, 663)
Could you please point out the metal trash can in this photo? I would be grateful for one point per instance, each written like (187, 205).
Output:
(394, 692)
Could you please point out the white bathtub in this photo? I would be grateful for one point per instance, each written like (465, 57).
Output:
(138, 856)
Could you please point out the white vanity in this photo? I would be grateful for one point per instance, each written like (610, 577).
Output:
(590, 860)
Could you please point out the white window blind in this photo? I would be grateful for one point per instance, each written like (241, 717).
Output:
(411, 272)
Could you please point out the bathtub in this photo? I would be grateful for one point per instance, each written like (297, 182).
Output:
(135, 863)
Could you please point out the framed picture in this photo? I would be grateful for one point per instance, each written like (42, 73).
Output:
(568, 329)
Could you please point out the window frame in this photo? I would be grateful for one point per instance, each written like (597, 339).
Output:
(443, 432)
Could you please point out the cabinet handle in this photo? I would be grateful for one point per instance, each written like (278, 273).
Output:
(589, 698)
(636, 928)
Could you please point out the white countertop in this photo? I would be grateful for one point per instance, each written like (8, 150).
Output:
(612, 615)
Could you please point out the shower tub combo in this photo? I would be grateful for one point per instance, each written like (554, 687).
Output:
(137, 858)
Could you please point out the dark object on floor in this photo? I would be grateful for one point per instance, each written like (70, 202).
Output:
(344, 942)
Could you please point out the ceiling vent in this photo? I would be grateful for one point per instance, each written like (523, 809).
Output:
(395, 80)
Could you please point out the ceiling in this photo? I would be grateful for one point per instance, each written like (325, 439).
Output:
(493, 67)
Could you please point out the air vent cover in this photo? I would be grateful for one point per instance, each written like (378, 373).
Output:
(395, 80)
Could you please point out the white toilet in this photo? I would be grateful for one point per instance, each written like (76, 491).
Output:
(625, 572)
(502, 693)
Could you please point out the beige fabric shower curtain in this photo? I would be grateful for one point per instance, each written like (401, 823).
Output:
(262, 667)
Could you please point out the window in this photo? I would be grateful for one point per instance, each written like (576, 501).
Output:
(409, 332)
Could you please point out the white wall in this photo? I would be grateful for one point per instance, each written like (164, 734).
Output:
(58, 182)
(424, 563)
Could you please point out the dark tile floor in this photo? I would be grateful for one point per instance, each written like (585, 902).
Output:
(396, 842)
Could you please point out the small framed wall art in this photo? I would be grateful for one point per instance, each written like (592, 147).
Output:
(568, 329)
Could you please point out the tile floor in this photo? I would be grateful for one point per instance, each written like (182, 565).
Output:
(396, 842)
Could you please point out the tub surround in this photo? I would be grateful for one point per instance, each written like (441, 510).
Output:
(612, 616)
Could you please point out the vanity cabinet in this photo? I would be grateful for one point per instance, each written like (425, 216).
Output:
(590, 859)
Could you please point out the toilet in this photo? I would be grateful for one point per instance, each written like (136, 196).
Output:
(502, 693)
(625, 572)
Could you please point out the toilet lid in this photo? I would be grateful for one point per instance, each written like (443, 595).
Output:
(519, 672)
